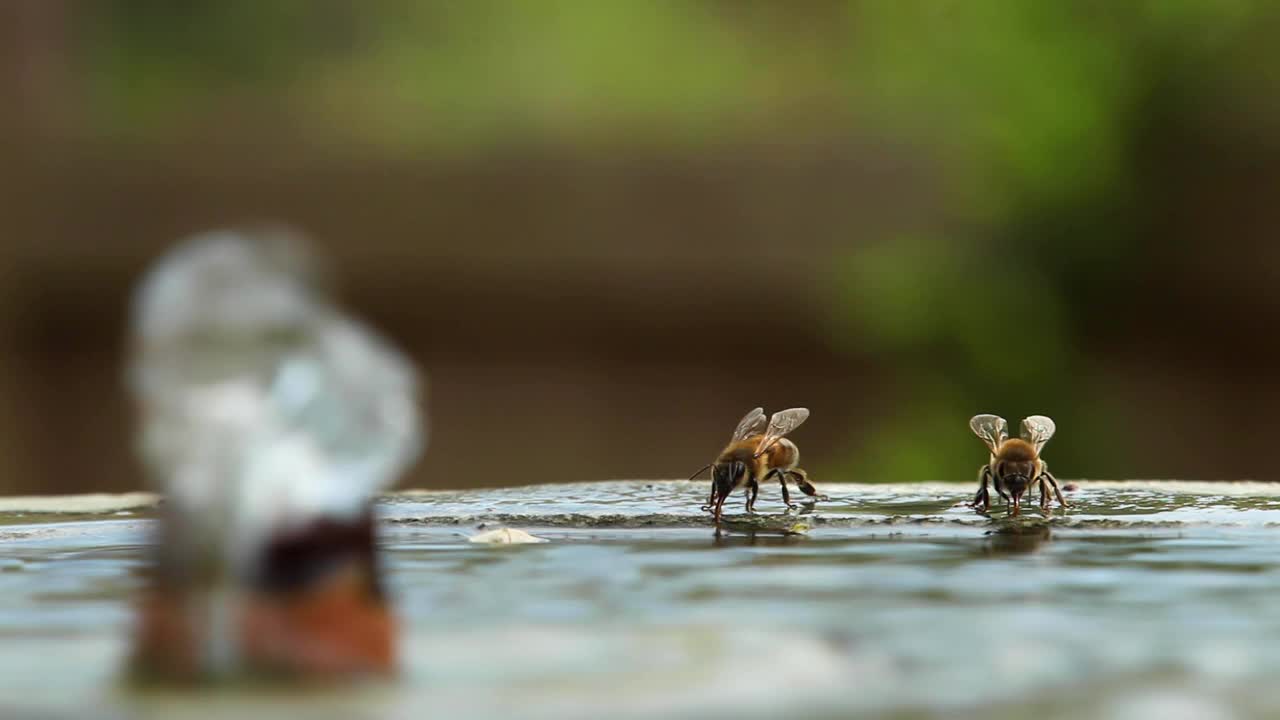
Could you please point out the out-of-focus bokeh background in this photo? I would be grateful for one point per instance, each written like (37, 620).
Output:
(607, 229)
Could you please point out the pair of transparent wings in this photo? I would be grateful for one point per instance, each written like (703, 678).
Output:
(782, 422)
(993, 430)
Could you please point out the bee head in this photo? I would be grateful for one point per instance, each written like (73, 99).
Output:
(1016, 476)
(1016, 482)
(727, 476)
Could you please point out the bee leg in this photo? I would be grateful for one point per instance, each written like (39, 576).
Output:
(711, 499)
(806, 487)
(753, 490)
(983, 497)
(1047, 477)
(786, 494)
(983, 500)
(999, 486)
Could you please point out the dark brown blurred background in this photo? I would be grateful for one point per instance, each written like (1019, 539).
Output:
(606, 230)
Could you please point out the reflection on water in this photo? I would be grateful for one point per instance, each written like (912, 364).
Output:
(1143, 600)
(1017, 538)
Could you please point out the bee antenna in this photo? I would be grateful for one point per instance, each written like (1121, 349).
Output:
(704, 469)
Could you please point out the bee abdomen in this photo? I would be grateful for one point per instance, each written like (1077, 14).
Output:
(784, 454)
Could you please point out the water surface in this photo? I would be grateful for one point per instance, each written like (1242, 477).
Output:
(1144, 599)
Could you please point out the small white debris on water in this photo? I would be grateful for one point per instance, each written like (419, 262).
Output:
(505, 536)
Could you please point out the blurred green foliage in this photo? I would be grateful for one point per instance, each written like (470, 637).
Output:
(1030, 113)
(1034, 113)
(445, 75)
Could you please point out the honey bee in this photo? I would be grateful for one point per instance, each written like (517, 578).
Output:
(1015, 464)
(756, 452)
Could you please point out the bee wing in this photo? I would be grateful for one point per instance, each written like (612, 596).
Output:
(992, 429)
(752, 424)
(782, 422)
(1037, 430)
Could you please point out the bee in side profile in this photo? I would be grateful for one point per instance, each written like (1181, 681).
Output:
(1015, 464)
(758, 451)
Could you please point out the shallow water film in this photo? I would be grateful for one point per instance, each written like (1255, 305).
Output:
(1144, 599)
